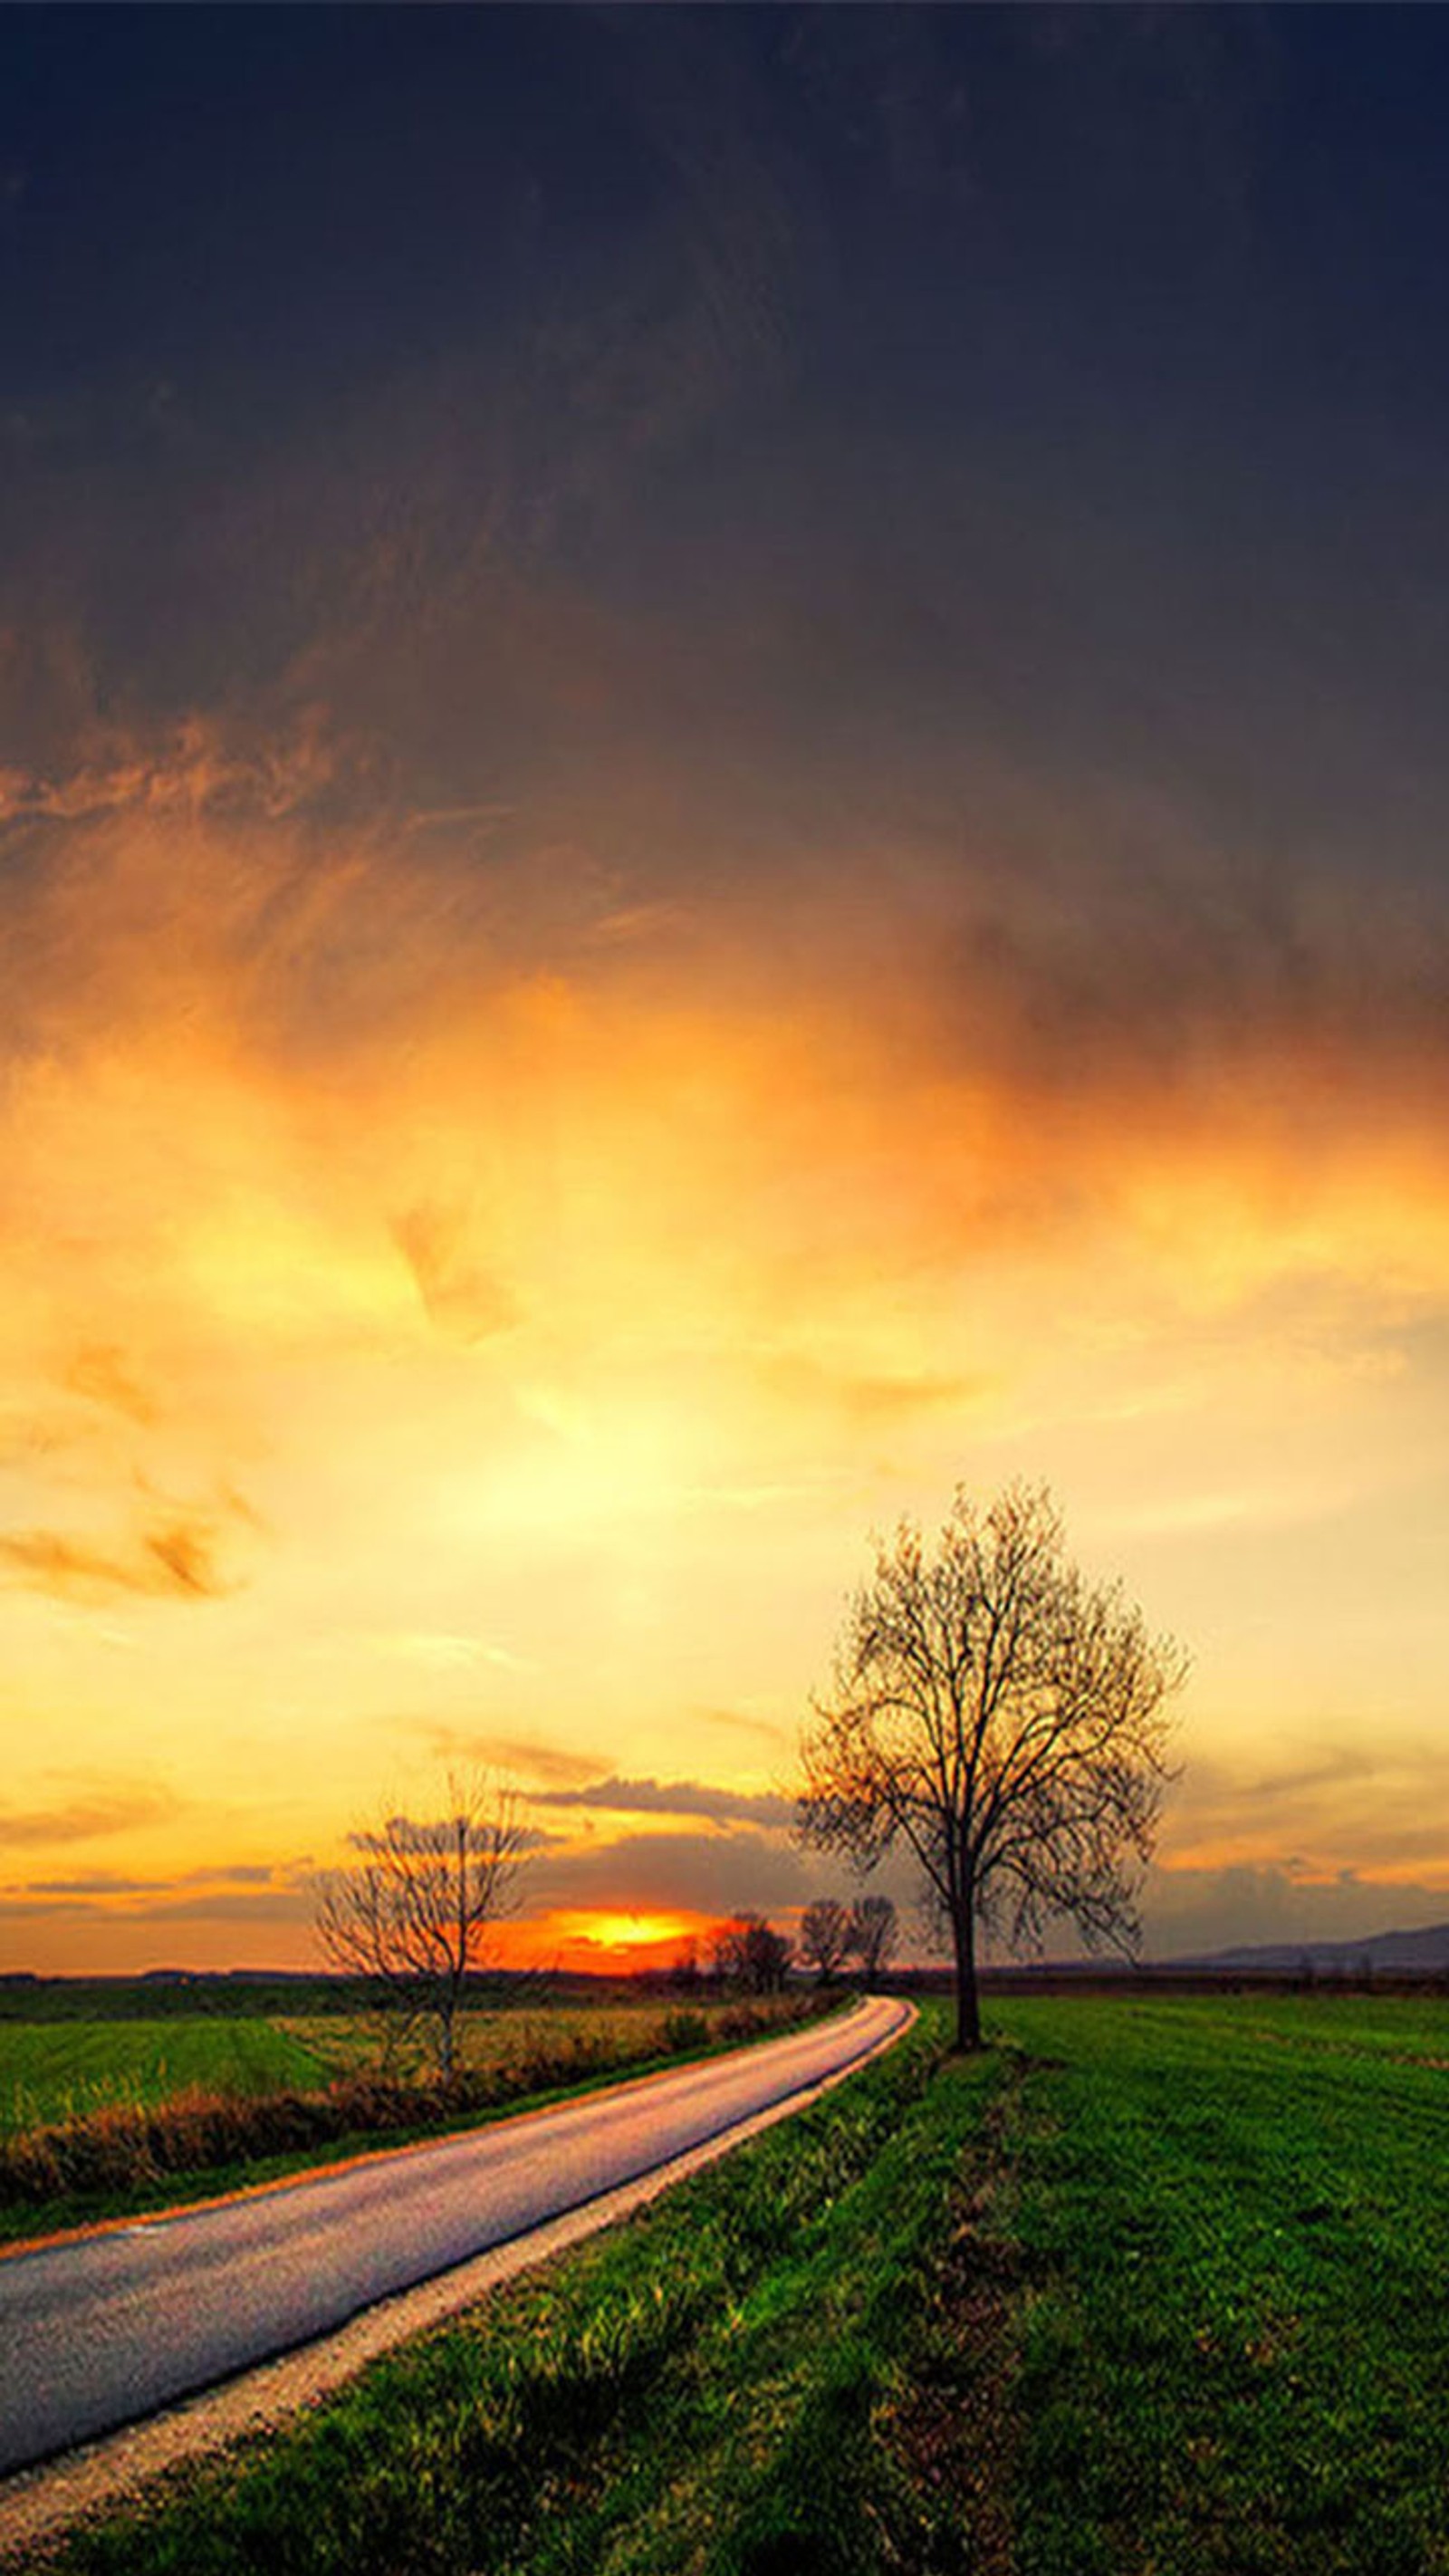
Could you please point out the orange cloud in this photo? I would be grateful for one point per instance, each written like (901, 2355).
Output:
(101, 1372)
(89, 1814)
(170, 1560)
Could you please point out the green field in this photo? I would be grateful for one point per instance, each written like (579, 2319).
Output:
(1236, 2357)
(1151, 2289)
(62, 2070)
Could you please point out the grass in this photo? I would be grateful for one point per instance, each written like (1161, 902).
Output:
(1150, 2289)
(265, 2100)
(1235, 2350)
(64, 2070)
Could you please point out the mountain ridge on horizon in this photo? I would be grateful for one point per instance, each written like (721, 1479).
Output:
(1427, 1948)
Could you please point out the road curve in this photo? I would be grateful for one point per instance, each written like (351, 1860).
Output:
(103, 2329)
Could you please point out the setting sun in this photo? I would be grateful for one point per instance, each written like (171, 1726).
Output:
(577, 1937)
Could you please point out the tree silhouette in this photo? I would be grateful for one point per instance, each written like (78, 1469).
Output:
(749, 1952)
(873, 1930)
(412, 1913)
(825, 1936)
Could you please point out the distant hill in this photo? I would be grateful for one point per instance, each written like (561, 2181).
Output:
(1423, 1953)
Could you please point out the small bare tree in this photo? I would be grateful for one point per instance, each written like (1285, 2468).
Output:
(411, 1915)
(1002, 1717)
(874, 1927)
(748, 1952)
(825, 1936)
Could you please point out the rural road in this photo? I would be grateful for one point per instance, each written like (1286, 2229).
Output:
(103, 2329)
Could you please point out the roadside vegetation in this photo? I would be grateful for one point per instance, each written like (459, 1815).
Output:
(108, 2117)
(1148, 2287)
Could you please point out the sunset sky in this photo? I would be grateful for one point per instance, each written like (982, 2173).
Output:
(723, 798)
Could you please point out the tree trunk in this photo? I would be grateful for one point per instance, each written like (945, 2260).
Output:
(968, 2009)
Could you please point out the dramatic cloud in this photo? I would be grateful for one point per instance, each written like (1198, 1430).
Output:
(514, 1759)
(690, 1873)
(460, 1297)
(667, 885)
(671, 1798)
(111, 1883)
(1373, 1805)
(241, 1909)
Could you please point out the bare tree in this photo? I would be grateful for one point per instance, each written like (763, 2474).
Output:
(412, 1913)
(825, 1936)
(1003, 1718)
(872, 1933)
(748, 1951)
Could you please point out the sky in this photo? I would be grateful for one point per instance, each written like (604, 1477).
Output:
(722, 804)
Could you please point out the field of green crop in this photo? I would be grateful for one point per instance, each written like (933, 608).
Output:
(1233, 2359)
(1152, 2288)
(108, 2116)
(60, 2070)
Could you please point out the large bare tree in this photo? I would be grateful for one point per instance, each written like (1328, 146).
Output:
(412, 1913)
(1004, 1719)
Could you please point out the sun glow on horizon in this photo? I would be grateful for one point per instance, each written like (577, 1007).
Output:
(608, 1931)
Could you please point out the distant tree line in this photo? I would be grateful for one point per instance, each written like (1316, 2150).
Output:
(751, 1955)
(831, 1933)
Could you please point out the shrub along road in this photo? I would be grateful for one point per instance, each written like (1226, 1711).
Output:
(104, 2329)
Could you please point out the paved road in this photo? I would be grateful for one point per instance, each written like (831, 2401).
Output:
(105, 2329)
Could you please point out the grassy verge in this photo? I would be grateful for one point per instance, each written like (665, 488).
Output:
(126, 2156)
